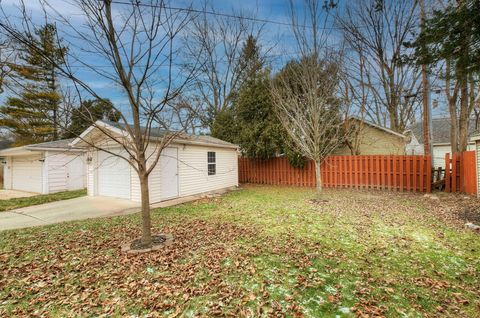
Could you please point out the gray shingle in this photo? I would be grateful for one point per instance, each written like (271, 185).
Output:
(440, 130)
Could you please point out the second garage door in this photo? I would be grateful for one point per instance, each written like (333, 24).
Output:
(27, 173)
(113, 176)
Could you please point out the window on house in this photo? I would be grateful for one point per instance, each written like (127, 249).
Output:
(212, 163)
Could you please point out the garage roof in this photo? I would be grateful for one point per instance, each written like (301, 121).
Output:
(63, 144)
(182, 138)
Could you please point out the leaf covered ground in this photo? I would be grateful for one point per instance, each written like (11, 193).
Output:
(257, 252)
(16, 203)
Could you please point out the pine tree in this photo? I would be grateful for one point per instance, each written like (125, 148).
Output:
(251, 121)
(33, 114)
(451, 36)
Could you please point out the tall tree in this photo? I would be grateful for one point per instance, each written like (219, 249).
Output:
(375, 33)
(89, 111)
(452, 36)
(216, 40)
(250, 121)
(306, 102)
(137, 42)
(33, 115)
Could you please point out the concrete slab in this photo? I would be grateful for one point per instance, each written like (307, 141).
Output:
(83, 208)
(66, 210)
(12, 194)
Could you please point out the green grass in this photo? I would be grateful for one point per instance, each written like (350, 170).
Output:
(17, 203)
(257, 252)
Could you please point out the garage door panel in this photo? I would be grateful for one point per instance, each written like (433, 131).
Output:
(27, 173)
(113, 176)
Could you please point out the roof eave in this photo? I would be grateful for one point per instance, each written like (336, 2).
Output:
(199, 143)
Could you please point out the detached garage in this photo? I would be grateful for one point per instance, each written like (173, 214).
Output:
(44, 168)
(189, 165)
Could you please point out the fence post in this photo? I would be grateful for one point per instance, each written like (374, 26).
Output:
(421, 170)
(461, 186)
(454, 172)
(429, 174)
(447, 173)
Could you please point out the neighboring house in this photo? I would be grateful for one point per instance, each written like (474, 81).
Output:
(189, 165)
(44, 168)
(374, 139)
(440, 139)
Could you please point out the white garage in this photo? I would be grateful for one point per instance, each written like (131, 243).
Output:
(44, 168)
(189, 165)
(113, 174)
(26, 173)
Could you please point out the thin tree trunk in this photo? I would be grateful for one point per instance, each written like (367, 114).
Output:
(146, 221)
(318, 176)
(464, 115)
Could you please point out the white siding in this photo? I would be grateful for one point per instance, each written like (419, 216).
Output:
(65, 171)
(439, 152)
(113, 174)
(91, 173)
(192, 173)
(154, 182)
(27, 173)
(193, 176)
(7, 173)
(134, 186)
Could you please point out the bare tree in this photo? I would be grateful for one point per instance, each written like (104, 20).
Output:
(306, 102)
(131, 46)
(376, 33)
(305, 93)
(216, 40)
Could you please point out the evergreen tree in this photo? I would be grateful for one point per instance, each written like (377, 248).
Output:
(452, 36)
(251, 122)
(33, 115)
(225, 126)
(89, 111)
(260, 132)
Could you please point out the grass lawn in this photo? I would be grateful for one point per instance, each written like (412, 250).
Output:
(256, 252)
(17, 203)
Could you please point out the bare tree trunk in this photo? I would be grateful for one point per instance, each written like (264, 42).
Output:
(146, 220)
(318, 176)
(464, 115)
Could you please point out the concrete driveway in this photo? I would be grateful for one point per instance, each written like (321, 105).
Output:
(66, 210)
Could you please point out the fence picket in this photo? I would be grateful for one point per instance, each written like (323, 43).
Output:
(396, 173)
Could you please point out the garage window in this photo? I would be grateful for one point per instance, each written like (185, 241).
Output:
(212, 163)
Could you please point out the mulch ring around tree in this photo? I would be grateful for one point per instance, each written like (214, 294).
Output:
(158, 242)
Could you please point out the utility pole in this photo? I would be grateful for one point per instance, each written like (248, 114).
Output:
(427, 144)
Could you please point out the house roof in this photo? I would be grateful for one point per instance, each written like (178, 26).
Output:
(440, 130)
(389, 131)
(63, 144)
(182, 138)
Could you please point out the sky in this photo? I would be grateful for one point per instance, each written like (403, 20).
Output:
(277, 38)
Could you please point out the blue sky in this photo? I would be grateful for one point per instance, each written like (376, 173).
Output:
(277, 37)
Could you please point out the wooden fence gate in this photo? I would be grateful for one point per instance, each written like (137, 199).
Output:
(402, 173)
(460, 172)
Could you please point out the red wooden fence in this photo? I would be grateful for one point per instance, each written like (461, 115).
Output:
(403, 173)
(460, 172)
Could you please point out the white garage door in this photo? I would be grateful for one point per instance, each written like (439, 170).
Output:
(27, 173)
(113, 176)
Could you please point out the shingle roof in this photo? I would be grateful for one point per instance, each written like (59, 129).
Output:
(64, 143)
(157, 132)
(440, 130)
